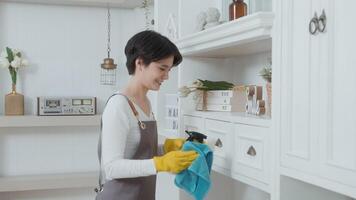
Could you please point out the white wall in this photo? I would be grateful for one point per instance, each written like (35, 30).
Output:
(247, 69)
(65, 46)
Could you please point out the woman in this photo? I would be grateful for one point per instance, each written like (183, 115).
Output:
(131, 156)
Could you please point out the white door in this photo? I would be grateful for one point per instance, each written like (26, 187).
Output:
(338, 94)
(299, 101)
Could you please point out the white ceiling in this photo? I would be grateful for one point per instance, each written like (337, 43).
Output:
(100, 3)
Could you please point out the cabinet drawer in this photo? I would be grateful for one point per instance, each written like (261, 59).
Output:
(252, 152)
(193, 123)
(223, 131)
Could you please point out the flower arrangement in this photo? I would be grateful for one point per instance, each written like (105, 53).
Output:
(204, 85)
(12, 59)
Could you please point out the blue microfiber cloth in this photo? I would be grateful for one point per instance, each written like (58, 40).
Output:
(196, 179)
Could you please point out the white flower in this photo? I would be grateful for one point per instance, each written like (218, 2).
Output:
(184, 91)
(24, 63)
(16, 63)
(3, 54)
(4, 63)
(15, 52)
(198, 84)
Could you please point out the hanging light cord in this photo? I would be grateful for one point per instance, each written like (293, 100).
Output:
(109, 31)
(145, 4)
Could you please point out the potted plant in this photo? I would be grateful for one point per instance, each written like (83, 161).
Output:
(201, 87)
(12, 60)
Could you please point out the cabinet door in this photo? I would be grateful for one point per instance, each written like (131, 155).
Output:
(338, 83)
(223, 131)
(252, 155)
(298, 85)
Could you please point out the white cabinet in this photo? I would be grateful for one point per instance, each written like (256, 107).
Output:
(337, 77)
(298, 86)
(318, 126)
(245, 151)
(233, 51)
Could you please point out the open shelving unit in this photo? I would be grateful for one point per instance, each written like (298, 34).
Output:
(48, 181)
(13, 183)
(46, 121)
(246, 35)
(234, 51)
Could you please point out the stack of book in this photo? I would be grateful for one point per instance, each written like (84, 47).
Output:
(255, 105)
(222, 100)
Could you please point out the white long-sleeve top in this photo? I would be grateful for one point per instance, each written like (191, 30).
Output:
(120, 140)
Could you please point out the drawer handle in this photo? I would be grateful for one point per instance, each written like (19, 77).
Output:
(314, 25)
(219, 143)
(251, 151)
(322, 22)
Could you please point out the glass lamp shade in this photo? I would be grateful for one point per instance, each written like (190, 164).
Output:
(108, 72)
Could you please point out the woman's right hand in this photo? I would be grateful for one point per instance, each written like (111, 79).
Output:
(175, 161)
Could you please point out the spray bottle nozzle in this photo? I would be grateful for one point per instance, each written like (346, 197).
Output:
(195, 136)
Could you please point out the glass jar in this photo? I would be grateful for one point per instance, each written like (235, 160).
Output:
(237, 9)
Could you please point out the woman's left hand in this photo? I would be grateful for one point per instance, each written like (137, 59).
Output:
(173, 144)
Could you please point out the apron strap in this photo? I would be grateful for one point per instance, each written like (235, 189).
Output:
(141, 124)
(132, 106)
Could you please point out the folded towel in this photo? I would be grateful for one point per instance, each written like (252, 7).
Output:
(196, 179)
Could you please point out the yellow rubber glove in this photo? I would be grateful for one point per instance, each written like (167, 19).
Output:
(175, 161)
(173, 144)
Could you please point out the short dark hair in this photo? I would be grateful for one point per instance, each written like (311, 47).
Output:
(150, 46)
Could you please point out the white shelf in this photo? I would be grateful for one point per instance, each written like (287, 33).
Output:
(46, 121)
(246, 35)
(96, 3)
(50, 181)
(235, 117)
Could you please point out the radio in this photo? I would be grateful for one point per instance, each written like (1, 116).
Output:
(66, 106)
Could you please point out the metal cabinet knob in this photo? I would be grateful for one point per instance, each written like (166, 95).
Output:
(251, 151)
(314, 24)
(219, 143)
(322, 22)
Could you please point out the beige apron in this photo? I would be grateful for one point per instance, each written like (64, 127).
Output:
(140, 188)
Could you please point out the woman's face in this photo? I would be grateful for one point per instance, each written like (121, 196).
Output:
(153, 75)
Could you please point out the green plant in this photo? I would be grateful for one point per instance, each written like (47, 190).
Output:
(205, 85)
(266, 73)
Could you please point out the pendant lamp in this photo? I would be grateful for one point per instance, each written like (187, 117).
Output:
(108, 67)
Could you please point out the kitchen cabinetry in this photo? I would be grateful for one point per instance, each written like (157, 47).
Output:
(317, 132)
(244, 152)
(233, 51)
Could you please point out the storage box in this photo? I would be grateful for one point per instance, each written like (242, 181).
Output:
(233, 100)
